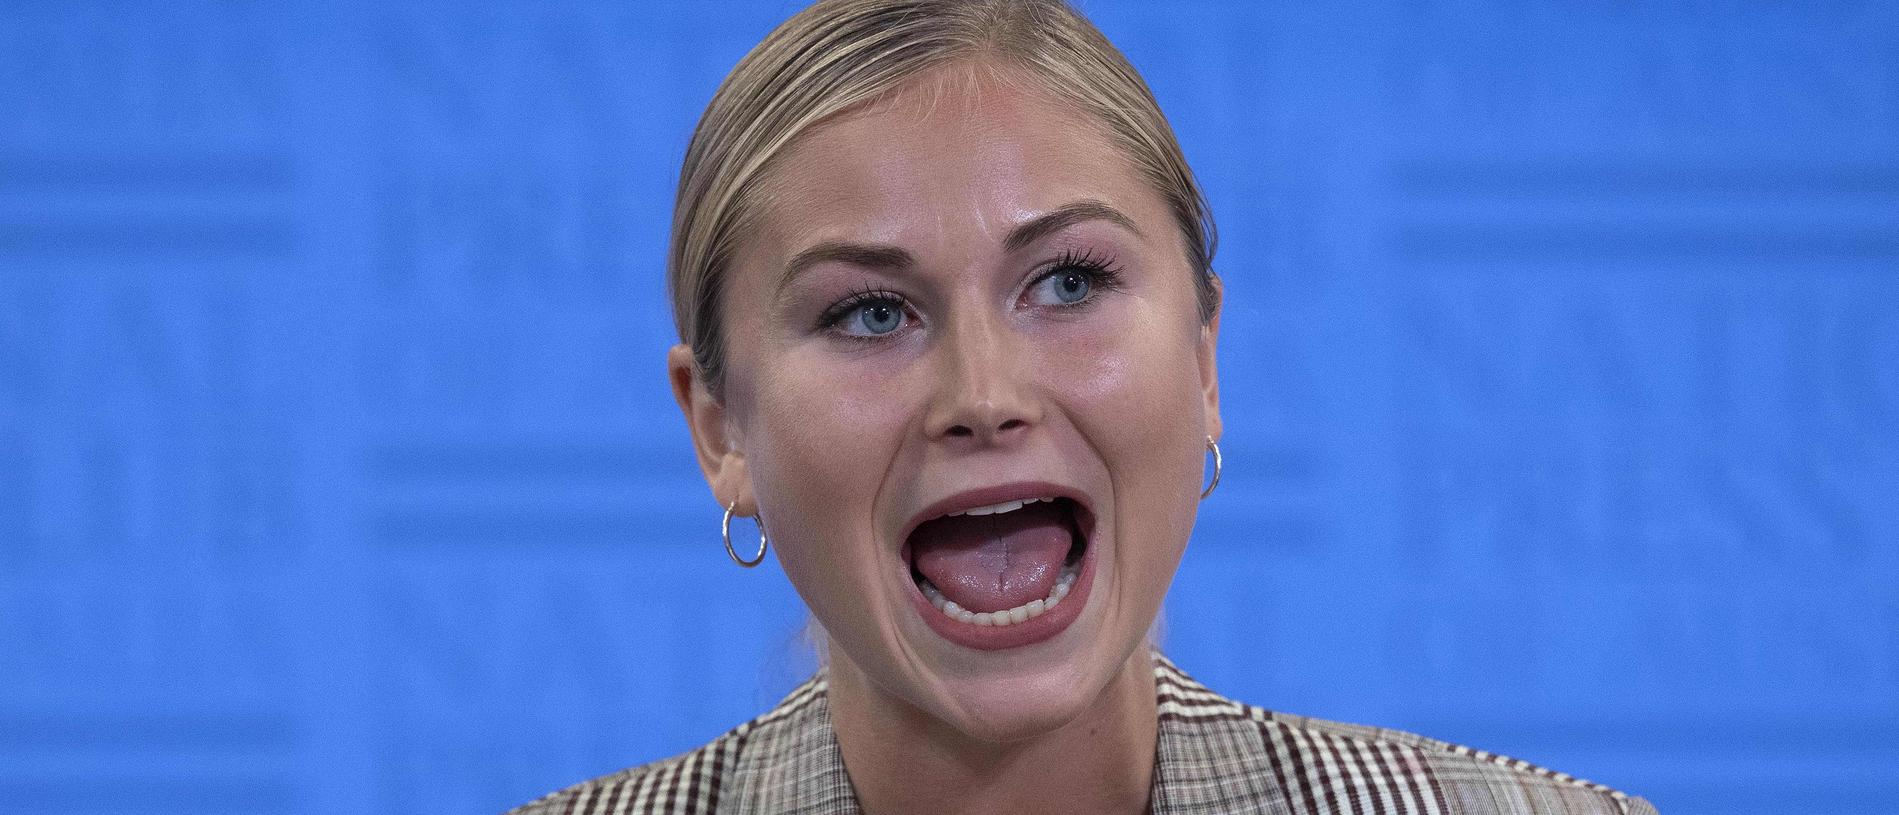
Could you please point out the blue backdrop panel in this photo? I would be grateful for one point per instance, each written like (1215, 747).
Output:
(338, 473)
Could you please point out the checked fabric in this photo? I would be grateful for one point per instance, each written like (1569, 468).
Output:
(1214, 755)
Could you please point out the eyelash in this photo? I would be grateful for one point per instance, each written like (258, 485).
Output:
(854, 301)
(1102, 272)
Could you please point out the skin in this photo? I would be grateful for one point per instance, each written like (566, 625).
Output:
(990, 380)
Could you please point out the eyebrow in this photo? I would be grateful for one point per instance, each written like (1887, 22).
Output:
(882, 256)
(1063, 217)
(856, 254)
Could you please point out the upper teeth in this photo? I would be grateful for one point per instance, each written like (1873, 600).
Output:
(994, 509)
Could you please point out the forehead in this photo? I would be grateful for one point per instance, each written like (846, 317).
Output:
(953, 152)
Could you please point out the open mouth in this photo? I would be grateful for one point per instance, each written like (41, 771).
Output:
(1008, 565)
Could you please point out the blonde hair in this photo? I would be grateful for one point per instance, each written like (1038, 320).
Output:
(839, 53)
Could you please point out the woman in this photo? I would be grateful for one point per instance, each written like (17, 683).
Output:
(944, 282)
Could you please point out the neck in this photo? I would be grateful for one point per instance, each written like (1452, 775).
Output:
(902, 759)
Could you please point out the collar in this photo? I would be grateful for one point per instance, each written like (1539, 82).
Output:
(1209, 754)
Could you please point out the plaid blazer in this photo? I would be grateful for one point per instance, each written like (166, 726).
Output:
(1214, 755)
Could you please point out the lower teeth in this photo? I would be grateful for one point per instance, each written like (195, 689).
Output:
(1022, 613)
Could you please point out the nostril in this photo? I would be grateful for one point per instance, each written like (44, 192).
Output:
(963, 431)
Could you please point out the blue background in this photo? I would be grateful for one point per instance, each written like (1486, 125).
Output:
(338, 475)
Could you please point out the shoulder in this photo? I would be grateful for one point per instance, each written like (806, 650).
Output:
(689, 783)
(1324, 766)
(685, 783)
(1447, 777)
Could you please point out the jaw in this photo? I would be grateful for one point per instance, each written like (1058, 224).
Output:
(1022, 698)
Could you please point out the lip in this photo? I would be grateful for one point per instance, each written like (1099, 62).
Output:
(971, 499)
(1027, 632)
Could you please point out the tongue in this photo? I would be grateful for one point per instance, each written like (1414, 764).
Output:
(994, 562)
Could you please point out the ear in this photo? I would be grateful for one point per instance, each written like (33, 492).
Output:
(1210, 372)
(721, 456)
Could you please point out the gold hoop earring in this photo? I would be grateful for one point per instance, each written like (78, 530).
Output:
(725, 531)
(1213, 447)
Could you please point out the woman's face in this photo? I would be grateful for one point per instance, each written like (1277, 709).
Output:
(963, 297)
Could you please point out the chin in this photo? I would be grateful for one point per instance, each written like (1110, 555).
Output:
(1021, 707)
(1039, 690)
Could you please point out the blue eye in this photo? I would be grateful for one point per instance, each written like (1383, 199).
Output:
(1067, 286)
(866, 315)
(1071, 286)
(1076, 280)
(878, 317)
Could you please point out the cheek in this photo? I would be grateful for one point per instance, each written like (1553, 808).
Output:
(1135, 385)
(818, 448)
(834, 420)
(1135, 395)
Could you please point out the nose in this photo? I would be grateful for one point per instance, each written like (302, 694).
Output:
(986, 394)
